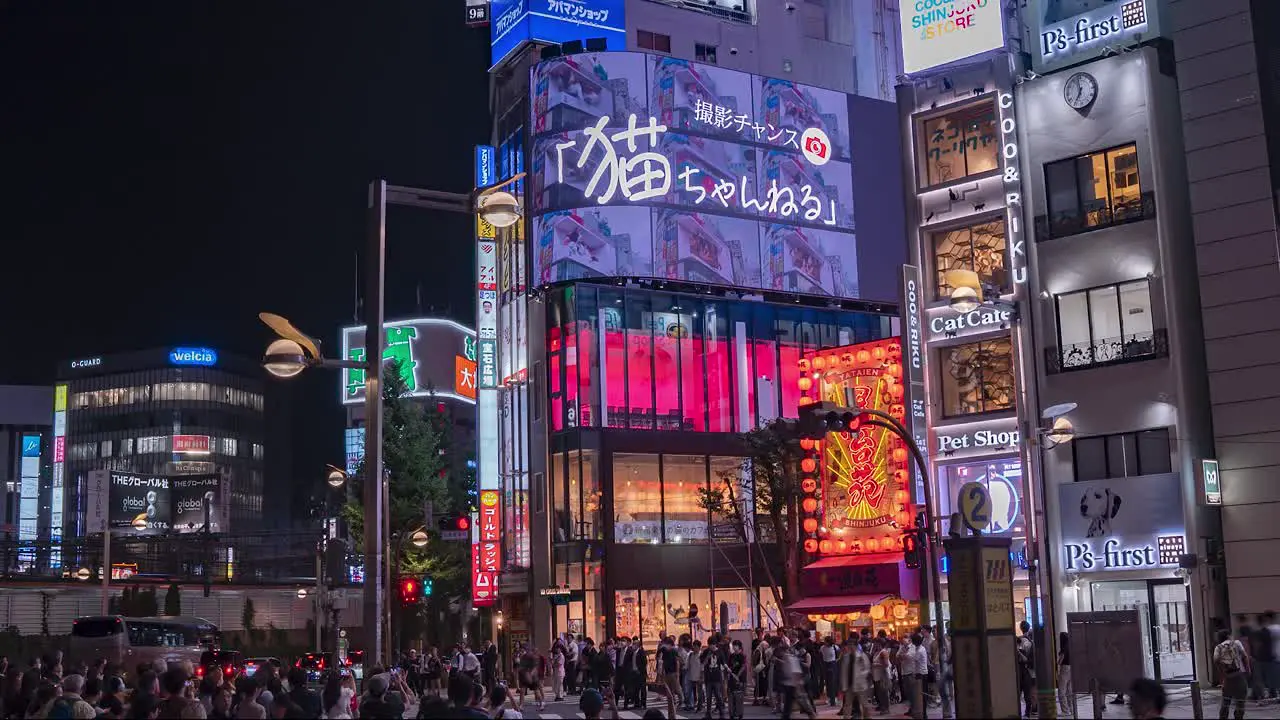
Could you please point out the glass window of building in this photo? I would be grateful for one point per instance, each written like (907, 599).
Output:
(1106, 457)
(960, 143)
(1106, 324)
(977, 377)
(637, 499)
(980, 248)
(228, 446)
(153, 444)
(683, 479)
(1003, 480)
(654, 41)
(1092, 191)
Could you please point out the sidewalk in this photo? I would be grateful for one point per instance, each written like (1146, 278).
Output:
(1179, 706)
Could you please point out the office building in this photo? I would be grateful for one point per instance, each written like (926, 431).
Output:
(161, 412)
(25, 453)
(658, 319)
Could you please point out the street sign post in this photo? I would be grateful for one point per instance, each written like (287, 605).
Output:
(983, 645)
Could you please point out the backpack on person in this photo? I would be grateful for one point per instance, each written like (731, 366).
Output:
(62, 709)
(1227, 657)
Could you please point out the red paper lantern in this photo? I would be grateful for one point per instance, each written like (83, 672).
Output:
(879, 353)
(873, 545)
(803, 364)
(808, 465)
(819, 363)
(809, 504)
(811, 545)
(806, 444)
(809, 485)
(864, 357)
(811, 525)
(805, 383)
(824, 546)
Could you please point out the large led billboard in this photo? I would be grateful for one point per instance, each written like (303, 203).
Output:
(427, 350)
(651, 166)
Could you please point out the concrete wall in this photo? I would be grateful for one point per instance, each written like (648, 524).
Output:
(776, 37)
(1234, 219)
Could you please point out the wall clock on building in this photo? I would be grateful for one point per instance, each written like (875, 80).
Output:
(1080, 91)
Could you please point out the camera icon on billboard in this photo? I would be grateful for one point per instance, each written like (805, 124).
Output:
(816, 146)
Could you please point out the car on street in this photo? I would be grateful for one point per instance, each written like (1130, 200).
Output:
(253, 664)
(223, 661)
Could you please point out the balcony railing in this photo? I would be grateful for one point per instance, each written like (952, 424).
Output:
(1107, 351)
(1095, 216)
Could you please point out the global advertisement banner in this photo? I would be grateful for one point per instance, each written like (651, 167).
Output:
(190, 494)
(149, 504)
(1129, 523)
(652, 166)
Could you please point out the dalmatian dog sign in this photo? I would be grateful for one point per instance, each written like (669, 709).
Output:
(1128, 523)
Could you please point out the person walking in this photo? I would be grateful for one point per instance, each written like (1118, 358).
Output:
(1146, 699)
(880, 674)
(830, 654)
(1026, 651)
(737, 676)
(668, 664)
(559, 660)
(915, 667)
(855, 680)
(1232, 664)
(1066, 692)
(713, 661)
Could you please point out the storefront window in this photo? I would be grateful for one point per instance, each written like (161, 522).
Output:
(980, 248)
(960, 143)
(627, 612)
(977, 377)
(590, 528)
(674, 362)
(637, 499)
(683, 478)
(1003, 480)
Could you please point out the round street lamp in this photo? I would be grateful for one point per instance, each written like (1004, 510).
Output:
(140, 522)
(83, 574)
(335, 477)
(966, 290)
(499, 209)
(419, 538)
(1061, 432)
(285, 358)
(302, 593)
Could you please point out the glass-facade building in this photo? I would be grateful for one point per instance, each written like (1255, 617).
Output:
(161, 412)
(647, 393)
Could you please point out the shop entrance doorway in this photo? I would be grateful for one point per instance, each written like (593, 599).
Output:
(1164, 608)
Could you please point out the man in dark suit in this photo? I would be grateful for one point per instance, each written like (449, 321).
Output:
(639, 675)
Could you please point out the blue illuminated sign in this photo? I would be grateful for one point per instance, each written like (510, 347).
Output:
(30, 446)
(514, 22)
(485, 165)
(204, 357)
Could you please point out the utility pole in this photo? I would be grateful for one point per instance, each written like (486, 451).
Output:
(375, 584)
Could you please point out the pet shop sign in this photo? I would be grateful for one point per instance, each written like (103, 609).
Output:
(1127, 524)
(969, 439)
(638, 175)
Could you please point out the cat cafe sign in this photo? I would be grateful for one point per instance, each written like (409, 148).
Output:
(945, 323)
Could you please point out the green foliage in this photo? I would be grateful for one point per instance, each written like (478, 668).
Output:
(248, 615)
(417, 457)
(173, 600)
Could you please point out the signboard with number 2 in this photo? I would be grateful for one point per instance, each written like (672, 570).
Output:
(975, 506)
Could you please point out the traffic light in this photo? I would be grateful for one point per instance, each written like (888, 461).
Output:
(410, 591)
(912, 552)
(818, 419)
(454, 523)
(428, 586)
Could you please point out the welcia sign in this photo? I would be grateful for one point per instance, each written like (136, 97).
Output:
(204, 357)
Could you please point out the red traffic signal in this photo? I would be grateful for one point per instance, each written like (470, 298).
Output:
(410, 590)
(455, 523)
(912, 554)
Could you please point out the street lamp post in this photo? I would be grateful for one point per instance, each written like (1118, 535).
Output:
(293, 352)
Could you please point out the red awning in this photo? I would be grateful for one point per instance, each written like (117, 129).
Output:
(835, 603)
(838, 561)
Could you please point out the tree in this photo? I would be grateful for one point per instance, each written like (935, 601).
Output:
(173, 600)
(418, 459)
(775, 456)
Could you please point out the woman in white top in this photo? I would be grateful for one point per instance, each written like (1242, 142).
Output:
(337, 695)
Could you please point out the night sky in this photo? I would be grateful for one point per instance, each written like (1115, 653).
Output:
(170, 169)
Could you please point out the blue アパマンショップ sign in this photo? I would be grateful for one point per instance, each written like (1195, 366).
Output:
(513, 22)
(193, 356)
